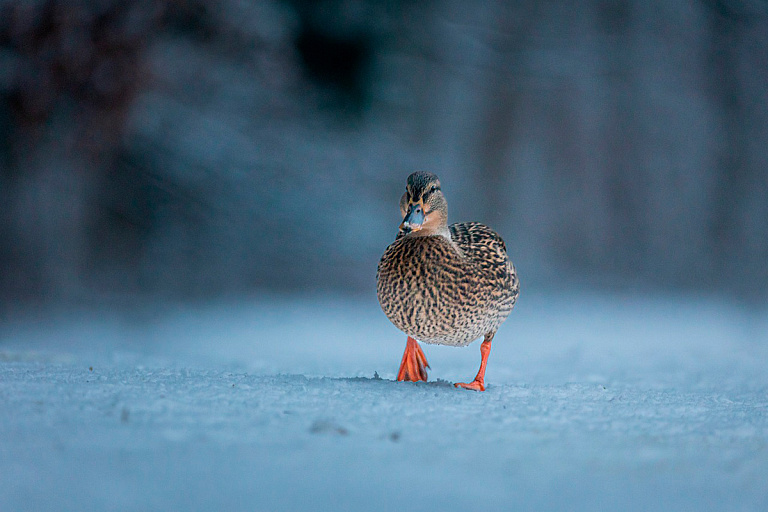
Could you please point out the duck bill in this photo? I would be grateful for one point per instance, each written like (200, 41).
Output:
(414, 219)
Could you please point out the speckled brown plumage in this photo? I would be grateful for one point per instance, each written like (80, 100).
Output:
(444, 284)
(444, 291)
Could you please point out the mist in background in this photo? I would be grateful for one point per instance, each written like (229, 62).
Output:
(191, 150)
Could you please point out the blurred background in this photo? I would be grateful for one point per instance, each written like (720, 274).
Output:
(188, 150)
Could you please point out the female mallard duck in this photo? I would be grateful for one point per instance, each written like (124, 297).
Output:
(443, 284)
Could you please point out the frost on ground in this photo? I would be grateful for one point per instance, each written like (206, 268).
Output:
(593, 403)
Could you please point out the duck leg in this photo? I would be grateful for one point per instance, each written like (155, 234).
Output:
(414, 365)
(479, 383)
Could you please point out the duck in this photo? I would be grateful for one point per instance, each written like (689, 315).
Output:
(443, 284)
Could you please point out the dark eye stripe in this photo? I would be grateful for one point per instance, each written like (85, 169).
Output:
(428, 192)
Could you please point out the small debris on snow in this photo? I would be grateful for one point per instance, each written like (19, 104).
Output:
(328, 427)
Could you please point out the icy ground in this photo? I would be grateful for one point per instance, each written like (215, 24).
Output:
(593, 403)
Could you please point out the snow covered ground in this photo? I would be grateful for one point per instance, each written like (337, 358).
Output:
(594, 402)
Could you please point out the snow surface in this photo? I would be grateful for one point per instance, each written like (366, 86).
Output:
(594, 402)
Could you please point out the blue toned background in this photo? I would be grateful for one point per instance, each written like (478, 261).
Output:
(185, 150)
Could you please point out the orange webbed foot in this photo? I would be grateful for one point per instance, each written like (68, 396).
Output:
(479, 383)
(414, 365)
(475, 385)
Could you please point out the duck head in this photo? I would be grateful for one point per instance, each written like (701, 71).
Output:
(423, 206)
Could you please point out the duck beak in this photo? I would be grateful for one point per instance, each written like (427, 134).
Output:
(414, 218)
